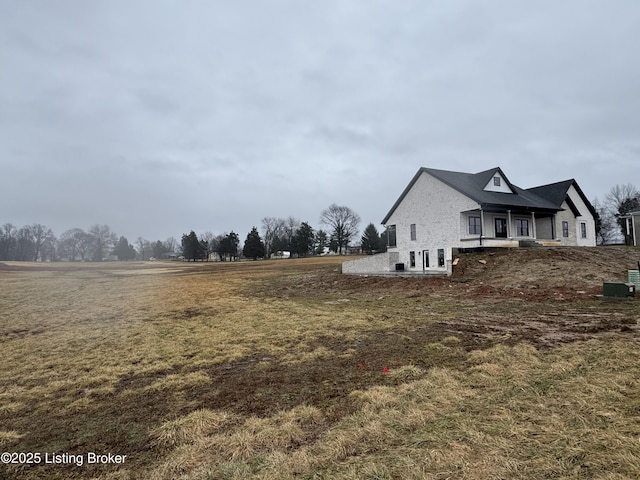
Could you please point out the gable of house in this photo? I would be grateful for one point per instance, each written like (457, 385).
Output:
(566, 191)
(576, 219)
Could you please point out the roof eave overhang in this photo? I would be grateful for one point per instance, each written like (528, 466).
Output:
(515, 209)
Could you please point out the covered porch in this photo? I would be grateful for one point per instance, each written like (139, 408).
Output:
(508, 228)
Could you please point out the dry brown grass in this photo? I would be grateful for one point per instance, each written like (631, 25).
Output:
(274, 370)
(514, 413)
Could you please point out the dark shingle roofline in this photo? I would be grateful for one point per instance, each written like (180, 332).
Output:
(568, 183)
(474, 189)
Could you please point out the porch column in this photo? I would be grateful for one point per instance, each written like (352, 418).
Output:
(533, 224)
(553, 227)
(509, 224)
(633, 229)
(481, 225)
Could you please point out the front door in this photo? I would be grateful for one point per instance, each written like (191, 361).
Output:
(425, 259)
(501, 228)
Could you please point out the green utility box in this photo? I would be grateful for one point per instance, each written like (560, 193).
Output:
(619, 289)
(634, 277)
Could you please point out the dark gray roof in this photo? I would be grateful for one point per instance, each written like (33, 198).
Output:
(472, 185)
(557, 193)
(554, 192)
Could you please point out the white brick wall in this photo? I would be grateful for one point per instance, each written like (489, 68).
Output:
(435, 209)
(574, 238)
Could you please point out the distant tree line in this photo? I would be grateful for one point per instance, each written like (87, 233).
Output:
(37, 242)
(225, 246)
(279, 235)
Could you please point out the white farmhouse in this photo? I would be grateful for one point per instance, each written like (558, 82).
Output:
(441, 212)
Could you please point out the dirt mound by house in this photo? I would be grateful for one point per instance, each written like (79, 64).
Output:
(537, 274)
(547, 267)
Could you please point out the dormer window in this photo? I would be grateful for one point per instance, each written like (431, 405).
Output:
(497, 183)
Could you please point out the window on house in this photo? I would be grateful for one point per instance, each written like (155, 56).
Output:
(496, 181)
(522, 227)
(474, 226)
(441, 257)
(583, 229)
(391, 236)
(565, 229)
(412, 259)
(413, 231)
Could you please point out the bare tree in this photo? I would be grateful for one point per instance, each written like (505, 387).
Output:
(39, 235)
(215, 245)
(606, 228)
(68, 243)
(102, 239)
(207, 241)
(49, 249)
(25, 247)
(343, 222)
(8, 239)
(84, 244)
(74, 243)
(272, 228)
(144, 248)
(291, 225)
(170, 244)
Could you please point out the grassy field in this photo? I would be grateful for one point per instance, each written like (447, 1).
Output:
(288, 369)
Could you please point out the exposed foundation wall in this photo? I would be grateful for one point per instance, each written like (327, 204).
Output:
(380, 263)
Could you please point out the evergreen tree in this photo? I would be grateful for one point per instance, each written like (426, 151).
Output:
(319, 242)
(302, 241)
(229, 246)
(370, 241)
(333, 244)
(384, 240)
(280, 244)
(191, 247)
(123, 250)
(157, 249)
(253, 245)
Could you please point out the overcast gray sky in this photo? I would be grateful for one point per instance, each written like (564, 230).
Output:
(158, 117)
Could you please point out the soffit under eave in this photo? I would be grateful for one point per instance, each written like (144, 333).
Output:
(518, 209)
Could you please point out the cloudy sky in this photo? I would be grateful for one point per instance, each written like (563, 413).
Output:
(158, 117)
